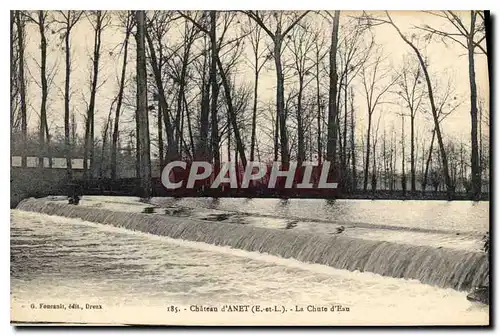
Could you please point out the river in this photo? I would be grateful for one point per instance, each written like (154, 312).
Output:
(136, 277)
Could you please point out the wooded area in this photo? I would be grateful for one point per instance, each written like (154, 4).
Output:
(179, 95)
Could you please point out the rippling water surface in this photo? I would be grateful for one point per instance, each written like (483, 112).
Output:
(432, 215)
(430, 223)
(135, 277)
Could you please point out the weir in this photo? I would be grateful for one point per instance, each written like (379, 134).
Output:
(442, 267)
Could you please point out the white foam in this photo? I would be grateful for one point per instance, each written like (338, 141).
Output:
(207, 273)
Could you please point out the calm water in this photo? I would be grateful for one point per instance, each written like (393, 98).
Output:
(136, 277)
(440, 216)
(430, 215)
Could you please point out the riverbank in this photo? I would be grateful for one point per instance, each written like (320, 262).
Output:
(33, 182)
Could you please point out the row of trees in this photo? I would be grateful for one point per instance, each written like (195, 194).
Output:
(336, 92)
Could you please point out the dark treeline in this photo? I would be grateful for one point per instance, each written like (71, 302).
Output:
(189, 87)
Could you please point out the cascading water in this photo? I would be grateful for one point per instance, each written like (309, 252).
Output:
(443, 267)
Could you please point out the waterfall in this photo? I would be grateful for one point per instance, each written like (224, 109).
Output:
(442, 267)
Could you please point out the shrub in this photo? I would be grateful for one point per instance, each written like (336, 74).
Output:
(486, 242)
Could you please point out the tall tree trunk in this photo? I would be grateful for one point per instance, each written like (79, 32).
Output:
(280, 100)
(215, 90)
(137, 138)
(331, 147)
(395, 157)
(374, 167)
(319, 117)
(22, 89)
(68, 144)
(344, 148)
(301, 154)
(353, 145)
(179, 118)
(412, 152)
(228, 137)
(236, 163)
(254, 109)
(105, 141)
(13, 73)
(367, 159)
(476, 174)
(481, 163)
(422, 167)
(47, 137)
(114, 146)
(232, 114)
(429, 158)
(190, 130)
(389, 165)
(160, 138)
(403, 171)
(276, 137)
(202, 146)
(462, 163)
(384, 155)
(89, 127)
(73, 128)
(43, 80)
(142, 108)
(339, 128)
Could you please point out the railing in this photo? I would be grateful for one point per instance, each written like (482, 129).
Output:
(57, 163)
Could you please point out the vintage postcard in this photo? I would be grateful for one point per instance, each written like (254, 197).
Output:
(250, 168)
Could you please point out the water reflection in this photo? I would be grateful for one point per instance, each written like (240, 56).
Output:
(430, 215)
(215, 203)
(330, 202)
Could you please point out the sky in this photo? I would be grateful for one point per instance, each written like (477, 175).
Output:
(447, 62)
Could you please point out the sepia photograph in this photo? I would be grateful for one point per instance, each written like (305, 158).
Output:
(250, 168)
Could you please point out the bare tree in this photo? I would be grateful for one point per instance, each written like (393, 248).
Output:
(128, 24)
(161, 22)
(411, 92)
(278, 37)
(226, 60)
(68, 22)
(142, 106)
(99, 20)
(331, 144)
(14, 61)
(319, 53)
(434, 110)
(403, 156)
(374, 165)
(258, 54)
(234, 45)
(470, 37)
(300, 47)
(484, 123)
(20, 23)
(40, 18)
(445, 103)
(74, 127)
(353, 144)
(376, 82)
(105, 131)
(354, 50)
(179, 64)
